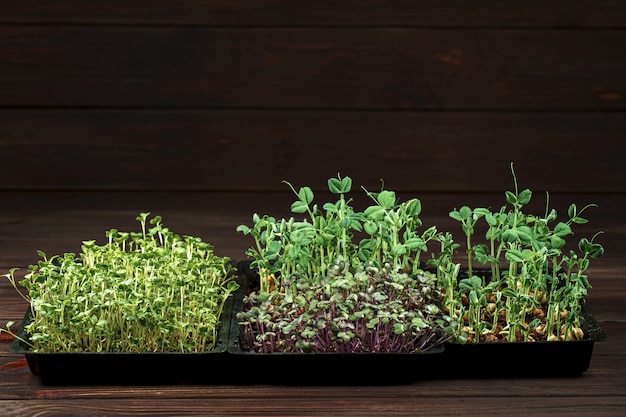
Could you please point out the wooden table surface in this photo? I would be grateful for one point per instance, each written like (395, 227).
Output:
(56, 222)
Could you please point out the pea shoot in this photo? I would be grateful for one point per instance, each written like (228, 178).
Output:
(533, 288)
(342, 280)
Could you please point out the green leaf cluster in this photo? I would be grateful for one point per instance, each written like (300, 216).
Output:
(308, 267)
(373, 310)
(387, 231)
(525, 266)
(145, 291)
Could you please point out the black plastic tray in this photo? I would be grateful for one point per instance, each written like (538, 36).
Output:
(532, 359)
(321, 368)
(524, 359)
(129, 367)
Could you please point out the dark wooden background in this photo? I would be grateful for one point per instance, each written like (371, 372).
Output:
(431, 96)
(199, 109)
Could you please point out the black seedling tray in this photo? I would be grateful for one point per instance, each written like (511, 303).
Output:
(508, 360)
(524, 359)
(326, 368)
(123, 368)
(520, 359)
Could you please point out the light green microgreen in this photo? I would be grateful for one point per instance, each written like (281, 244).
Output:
(143, 291)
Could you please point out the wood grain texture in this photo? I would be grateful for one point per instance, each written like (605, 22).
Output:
(257, 150)
(327, 68)
(275, 405)
(446, 13)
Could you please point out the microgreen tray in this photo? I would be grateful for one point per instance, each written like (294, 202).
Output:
(321, 368)
(129, 367)
(524, 359)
